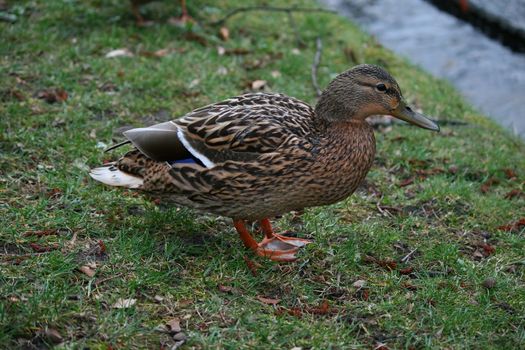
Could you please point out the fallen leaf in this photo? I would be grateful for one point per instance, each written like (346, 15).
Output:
(485, 187)
(510, 173)
(52, 95)
(488, 249)
(406, 271)
(41, 233)
(224, 33)
(258, 84)
(268, 301)
(386, 263)
(88, 271)
(513, 226)
(515, 193)
(323, 309)
(102, 247)
(119, 53)
(406, 182)
(173, 325)
(42, 249)
(428, 172)
(362, 294)
(124, 303)
(224, 289)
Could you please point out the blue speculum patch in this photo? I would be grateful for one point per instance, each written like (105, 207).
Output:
(191, 160)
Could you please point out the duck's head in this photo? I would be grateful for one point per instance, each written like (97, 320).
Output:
(363, 91)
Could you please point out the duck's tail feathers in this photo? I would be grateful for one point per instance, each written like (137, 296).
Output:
(112, 176)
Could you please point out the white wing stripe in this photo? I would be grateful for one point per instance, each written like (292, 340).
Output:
(205, 160)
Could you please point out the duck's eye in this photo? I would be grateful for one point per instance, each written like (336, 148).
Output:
(381, 87)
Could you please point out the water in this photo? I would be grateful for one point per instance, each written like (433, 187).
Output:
(489, 75)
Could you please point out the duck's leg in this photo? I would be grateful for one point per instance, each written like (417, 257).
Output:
(136, 13)
(184, 18)
(275, 247)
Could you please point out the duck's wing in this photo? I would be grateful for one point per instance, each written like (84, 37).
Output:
(240, 129)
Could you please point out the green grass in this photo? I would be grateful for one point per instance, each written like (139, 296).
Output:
(142, 250)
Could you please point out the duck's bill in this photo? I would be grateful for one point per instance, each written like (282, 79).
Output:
(406, 113)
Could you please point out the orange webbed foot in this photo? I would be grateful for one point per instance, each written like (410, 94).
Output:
(274, 246)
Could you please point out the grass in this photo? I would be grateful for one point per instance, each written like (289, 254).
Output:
(441, 197)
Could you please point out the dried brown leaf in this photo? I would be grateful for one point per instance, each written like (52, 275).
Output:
(510, 173)
(41, 233)
(406, 182)
(53, 95)
(514, 226)
(268, 301)
(485, 187)
(102, 247)
(88, 271)
(173, 325)
(406, 271)
(323, 309)
(42, 249)
(224, 33)
(488, 249)
(515, 193)
(224, 289)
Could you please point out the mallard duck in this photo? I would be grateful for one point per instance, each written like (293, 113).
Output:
(135, 4)
(259, 155)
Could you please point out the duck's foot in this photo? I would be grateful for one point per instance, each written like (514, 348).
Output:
(274, 246)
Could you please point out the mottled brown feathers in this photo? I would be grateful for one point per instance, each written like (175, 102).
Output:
(271, 157)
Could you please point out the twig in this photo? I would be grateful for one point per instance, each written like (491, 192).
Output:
(315, 66)
(99, 281)
(271, 9)
(405, 259)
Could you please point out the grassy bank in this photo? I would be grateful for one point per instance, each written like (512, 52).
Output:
(422, 256)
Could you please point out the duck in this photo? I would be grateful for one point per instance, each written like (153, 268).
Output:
(183, 19)
(259, 155)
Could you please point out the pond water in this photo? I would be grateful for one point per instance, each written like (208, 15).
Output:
(489, 75)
